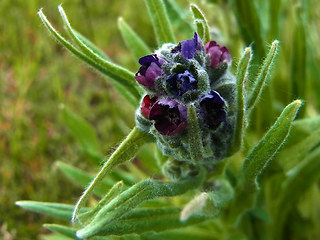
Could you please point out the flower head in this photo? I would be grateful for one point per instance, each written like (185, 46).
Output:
(181, 83)
(189, 47)
(149, 71)
(218, 55)
(212, 109)
(170, 116)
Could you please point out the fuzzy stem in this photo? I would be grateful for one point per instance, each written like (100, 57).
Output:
(127, 150)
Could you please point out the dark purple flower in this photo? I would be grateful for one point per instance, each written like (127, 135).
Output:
(189, 47)
(149, 71)
(170, 116)
(218, 55)
(146, 105)
(179, 83)
(212, 109)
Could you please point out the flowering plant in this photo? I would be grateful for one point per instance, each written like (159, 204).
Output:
(197, 112)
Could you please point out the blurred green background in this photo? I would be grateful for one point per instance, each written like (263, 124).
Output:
(37, 75)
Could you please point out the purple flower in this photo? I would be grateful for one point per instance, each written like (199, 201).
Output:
(149, 71)
(212, 109)
(170, 116)
(146, 105)
(218, 55)
(189, 47)
(181, 83)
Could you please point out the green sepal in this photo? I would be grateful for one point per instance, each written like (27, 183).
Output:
(66, 231)
(160, 21)
(201, 22)
(135, 44)
(261, 80)
(131, 198)
(126, 151)
(58, 210)
(242, 74)
(194, 136)
(121, 78)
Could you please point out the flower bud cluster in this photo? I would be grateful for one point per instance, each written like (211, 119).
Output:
(176, 77)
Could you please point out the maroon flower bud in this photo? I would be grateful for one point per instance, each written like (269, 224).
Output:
(170, 116)
(146, 105)
(218, 55)
(149, 71)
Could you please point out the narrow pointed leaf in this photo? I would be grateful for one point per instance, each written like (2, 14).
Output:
(242, 74)
(149, 219)
(91, 45)
(290, 157)
(269, 145)
(178, 16)
(66, 231)
(135, 44)
(298, 182)
(82, 131)
(126, 150)
(160, 21)
(261, 80)
(83, 179)
(87, 216)
(198, 14)
(298, 59)
(258, 159)
(58, 210)
(131, 198)
(118, 74)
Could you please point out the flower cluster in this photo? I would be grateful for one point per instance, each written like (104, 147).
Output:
(177, 76)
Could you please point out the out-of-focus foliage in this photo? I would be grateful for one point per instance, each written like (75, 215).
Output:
(37, 76)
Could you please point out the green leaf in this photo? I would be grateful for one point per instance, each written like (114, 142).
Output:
(121, 76)
(131, 198)
(242, 74)
(135, 44)
(298, 57)
(259, 158)
(83, 179)
(66, 231)
(160, 21)
(261, 80)
(198, 15)
(149, 219)
(87, 216)
(269, 145)
(297, 183)
(178, 17)
(58, 210)
(248, 19)
(90, 45)
(290, 157)
(126, 150)
(82, 132)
